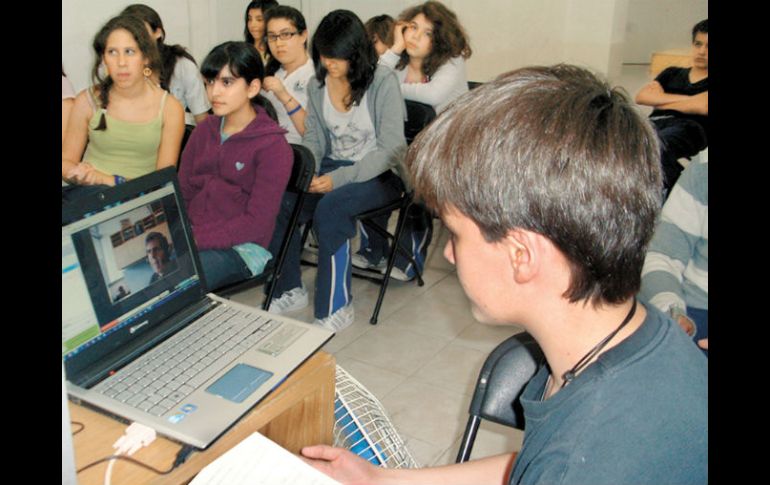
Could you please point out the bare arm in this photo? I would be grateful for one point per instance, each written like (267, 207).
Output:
(200, 117)
(171, 136)
(697, 104)
(652, 94)
(66, 109)
(398, 37)
(349, 469)
(290, 104)
(75, 139)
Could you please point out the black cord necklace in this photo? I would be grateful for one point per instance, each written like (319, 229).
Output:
(570, 374)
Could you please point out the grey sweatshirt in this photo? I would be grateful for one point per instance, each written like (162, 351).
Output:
(388, 111)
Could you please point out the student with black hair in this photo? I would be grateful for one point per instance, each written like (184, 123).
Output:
(254, 28)
(680, 98)
(235, 168)
(355, 130)
(289, 69)
(179, 72)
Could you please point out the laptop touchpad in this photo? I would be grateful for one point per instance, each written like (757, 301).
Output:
(239, 382)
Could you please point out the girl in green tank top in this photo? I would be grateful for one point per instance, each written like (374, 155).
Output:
(131, 126)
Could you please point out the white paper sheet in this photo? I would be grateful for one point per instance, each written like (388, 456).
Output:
(258, 460)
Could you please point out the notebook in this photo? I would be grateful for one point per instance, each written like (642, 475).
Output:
(142, 339)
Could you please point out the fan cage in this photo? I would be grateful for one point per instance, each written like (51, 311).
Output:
(363, 427)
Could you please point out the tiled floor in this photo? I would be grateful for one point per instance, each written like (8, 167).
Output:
(423, 357)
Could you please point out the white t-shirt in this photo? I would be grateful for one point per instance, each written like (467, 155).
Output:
(352, 134)
(186, 84)
(447, 83)
(296, 84)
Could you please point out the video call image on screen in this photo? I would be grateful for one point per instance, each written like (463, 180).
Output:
(140, 255)
(134, 250)
(130, 262)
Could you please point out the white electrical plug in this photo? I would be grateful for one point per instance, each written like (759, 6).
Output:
(135, 437)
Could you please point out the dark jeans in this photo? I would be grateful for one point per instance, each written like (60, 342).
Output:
(679, 138)
(222, 267)
(334, 224)
(416, 237)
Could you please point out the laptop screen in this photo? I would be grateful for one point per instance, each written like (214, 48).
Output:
(126, 267)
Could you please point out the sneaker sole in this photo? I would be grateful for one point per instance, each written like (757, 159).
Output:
(277, 311)
(400, 276)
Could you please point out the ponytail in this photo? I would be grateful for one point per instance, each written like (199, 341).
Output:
(263, 102)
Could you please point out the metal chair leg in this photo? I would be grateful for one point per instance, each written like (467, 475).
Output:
(466, 445)
(391, 261)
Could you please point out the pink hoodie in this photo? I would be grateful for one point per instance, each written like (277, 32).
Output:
(233, 190)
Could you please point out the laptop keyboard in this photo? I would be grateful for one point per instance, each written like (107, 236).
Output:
(162, 378)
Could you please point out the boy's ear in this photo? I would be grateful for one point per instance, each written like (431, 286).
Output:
(523, 254)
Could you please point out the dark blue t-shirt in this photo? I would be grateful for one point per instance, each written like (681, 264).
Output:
(638, 415)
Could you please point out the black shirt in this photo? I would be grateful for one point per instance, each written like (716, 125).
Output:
(676, 80)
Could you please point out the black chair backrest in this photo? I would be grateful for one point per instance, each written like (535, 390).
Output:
(503, 377)
(474, 84)
(185, 136)
(418, 115)
(302, 169)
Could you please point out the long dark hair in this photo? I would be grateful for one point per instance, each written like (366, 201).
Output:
(449, 37)
(169, 54)
(341, 35)
(146, 45)
(297, 20)
(243, 61)
(263, 5)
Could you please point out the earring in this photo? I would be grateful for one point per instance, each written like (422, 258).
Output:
(147, 71)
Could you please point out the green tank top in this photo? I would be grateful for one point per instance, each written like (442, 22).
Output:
(124, 148)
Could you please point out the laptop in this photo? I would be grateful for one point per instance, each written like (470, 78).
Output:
(142, 339)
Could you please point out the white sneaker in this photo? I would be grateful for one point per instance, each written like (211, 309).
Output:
(292, 300)
(339, 320)
(398, 274)
(360, 261)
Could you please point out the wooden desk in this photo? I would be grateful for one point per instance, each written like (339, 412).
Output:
(673, 57)
(299, 412)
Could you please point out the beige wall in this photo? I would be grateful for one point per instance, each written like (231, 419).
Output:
(505, 34)
(655, 25)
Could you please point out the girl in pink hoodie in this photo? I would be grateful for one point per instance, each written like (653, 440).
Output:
(234, 168)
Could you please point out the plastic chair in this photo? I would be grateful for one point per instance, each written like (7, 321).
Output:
(188, 129)
(505, 373)
(301, 175)
(403, 205)
(418, 116)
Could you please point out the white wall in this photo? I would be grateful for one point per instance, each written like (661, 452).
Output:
(504, 34)
(655, 25)
(198, 25)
